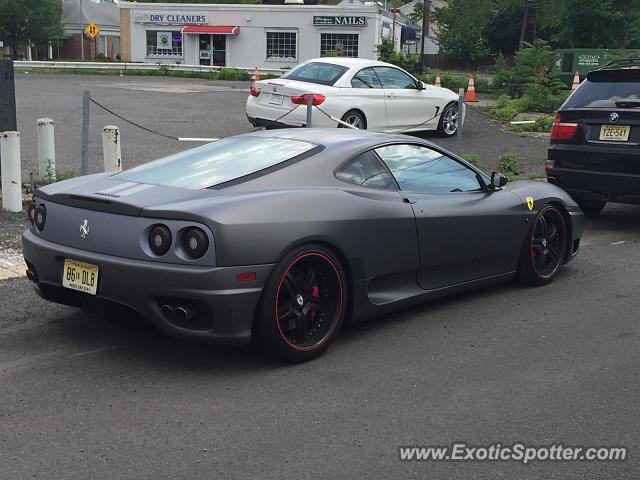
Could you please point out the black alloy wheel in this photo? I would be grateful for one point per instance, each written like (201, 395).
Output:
(303, 305)
(544, 251)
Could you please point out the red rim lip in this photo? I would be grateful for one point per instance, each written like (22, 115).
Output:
(564, 227)
(338, 312)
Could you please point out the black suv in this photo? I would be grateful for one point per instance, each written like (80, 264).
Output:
(595, 139)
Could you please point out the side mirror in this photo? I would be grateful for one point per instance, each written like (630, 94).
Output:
(421, 85)
(498, 180)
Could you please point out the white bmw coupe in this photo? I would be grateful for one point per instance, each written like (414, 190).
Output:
(366, 94)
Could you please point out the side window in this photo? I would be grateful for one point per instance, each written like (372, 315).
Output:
(366, 170)
(394, 78)
(365, 78)
(420, 169)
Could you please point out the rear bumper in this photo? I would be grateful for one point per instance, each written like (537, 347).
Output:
(220, 308)
(265, 116)
(596, 171)
(594, 185)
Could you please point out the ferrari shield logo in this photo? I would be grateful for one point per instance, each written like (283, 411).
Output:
(530, 203)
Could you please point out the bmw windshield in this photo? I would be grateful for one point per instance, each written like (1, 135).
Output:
(317, 72)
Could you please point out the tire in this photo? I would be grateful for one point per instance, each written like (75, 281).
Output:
(355, 118)
(303, 305)
(448, 124)
(591, 208)
(544, 249)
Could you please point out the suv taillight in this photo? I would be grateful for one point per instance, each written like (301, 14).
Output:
(563, 131)
(302, 99)
(255, 92)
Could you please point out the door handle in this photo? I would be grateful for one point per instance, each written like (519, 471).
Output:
(406, 200)
(391, 95)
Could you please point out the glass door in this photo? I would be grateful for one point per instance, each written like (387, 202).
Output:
(219, 54)
(205, 49)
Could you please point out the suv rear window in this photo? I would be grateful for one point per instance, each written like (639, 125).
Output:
(317, 72)
(608, 89)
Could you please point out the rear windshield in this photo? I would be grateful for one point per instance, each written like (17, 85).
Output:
(608, 89)
(217, 162)
(317, 72)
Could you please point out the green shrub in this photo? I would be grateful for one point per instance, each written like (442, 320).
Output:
(472, 158)
(508, 163)
(407, 61)
(227, 73)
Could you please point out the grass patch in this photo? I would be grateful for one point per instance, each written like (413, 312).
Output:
(222, 74)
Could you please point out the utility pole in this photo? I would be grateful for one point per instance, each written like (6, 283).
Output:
(393, 29)
(524, 23)
(81, 32)
(426, 19)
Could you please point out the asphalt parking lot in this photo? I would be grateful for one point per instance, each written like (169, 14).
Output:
(82, 398)
(184, 107)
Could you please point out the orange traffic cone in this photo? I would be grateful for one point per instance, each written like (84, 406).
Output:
(576, 81)
(470, 96)
(437, 82)
(255, 77)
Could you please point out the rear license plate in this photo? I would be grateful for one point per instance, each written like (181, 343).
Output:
(276, 99)
(80, 276)
(615, 133)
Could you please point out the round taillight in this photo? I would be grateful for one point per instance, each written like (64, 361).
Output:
(31, 212)
(160, 239)
(196, 242)
(40, 217)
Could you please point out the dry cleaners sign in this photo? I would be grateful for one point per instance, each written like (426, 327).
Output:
(346, 21)
(178, 18)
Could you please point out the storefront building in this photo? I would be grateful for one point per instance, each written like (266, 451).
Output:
(241, 35)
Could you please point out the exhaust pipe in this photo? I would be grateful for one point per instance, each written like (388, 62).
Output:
(180, 313)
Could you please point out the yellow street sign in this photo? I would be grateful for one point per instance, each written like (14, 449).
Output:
(92, 30)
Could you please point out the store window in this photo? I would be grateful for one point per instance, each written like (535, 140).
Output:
(164, 43)
(281, 46)
(101, 41)
(339, 44)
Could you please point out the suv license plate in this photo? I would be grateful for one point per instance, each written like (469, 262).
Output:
(615, 133)
(80, 276)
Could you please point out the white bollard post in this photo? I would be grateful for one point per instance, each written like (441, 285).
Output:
(10, 171)
(111, 149)
(46, 150)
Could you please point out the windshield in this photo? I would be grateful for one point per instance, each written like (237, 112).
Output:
(217, 162)
(317, 72)
(608, 89)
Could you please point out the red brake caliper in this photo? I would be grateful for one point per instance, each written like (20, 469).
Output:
(315, 294)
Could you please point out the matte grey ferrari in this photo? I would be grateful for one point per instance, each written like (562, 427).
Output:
(279, 237)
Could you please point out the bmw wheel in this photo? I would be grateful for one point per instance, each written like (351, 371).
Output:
(544, 250)
(448, 125)
(303, 305)
(354, 118)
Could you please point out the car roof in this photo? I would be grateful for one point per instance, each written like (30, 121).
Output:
(334, 137)
(351, 62)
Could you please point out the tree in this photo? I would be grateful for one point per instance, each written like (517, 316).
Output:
(22, 21)
(602, 24)
(461, 26)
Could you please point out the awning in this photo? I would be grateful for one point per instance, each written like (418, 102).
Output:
(218, 30)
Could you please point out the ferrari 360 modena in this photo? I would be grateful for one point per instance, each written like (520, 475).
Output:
(279, 237)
